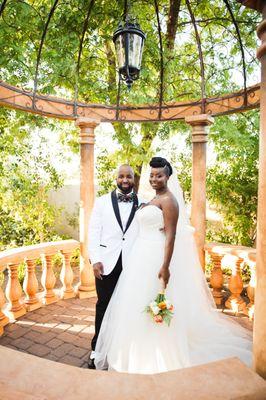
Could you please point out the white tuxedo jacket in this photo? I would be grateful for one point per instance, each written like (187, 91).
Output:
(107, 239)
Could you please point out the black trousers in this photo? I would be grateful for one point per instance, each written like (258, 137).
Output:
(105, 289)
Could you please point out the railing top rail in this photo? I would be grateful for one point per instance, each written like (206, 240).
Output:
(19, 254)
(246, 253)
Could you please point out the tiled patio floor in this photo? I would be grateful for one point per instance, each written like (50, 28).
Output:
(60, 332)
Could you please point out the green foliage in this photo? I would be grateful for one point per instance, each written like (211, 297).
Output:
(75, 257)
(57, 262)
(21, 272)
(73, 218)
(106, 166)
(245, 273)
(26, 177)
(233, 181)
(185, 173)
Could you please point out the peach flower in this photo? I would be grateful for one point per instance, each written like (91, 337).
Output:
(158, 319)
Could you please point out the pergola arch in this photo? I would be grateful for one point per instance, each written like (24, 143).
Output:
(50, 106)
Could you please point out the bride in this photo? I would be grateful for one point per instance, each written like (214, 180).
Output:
(129, 341)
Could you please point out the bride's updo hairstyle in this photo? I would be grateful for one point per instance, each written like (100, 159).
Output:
(160, 162)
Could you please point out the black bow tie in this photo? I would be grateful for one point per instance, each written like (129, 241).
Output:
(125, 198)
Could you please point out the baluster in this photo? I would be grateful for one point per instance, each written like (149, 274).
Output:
(30, 286)
(235, 301)
(3, 318)
(251, 289)
(217, 279)
(14, 293)
(48, 280)
(66, 277)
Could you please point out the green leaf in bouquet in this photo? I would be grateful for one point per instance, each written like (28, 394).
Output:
(167, 319)
(160, 298)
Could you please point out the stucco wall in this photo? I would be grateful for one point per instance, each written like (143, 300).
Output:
(67, 199)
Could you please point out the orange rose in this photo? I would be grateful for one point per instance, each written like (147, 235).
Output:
(171, 308)
(158, 319)
(162, 305)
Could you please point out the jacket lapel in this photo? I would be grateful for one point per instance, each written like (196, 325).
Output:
(133, 210)
(116, 208)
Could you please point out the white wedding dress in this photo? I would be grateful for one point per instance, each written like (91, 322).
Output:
(129, 341)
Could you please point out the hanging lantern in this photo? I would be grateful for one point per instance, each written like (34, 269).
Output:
(129, 40)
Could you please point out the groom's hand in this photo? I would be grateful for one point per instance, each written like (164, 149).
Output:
(98, 270)
(164, 274)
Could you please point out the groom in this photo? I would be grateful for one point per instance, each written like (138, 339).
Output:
(112, 231)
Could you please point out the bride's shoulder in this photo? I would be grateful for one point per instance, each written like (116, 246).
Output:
(169, 200)
(170, 208)
(170, 197)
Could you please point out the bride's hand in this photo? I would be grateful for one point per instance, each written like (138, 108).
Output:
(164, 274)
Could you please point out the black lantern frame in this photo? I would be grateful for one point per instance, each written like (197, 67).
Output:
(129, 41)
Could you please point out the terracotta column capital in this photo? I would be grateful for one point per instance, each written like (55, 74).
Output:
(85, 122)
(200, 119)
(199, 124)
(87, 126)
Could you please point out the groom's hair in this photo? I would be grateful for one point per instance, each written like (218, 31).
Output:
(160, 162)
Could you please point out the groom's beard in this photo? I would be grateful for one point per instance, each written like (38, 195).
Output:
(125, 190)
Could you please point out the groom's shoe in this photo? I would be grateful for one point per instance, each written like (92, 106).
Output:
(91, 364)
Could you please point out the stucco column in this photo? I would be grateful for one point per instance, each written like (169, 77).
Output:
(260, 292)
(87, 140)
(200, 127)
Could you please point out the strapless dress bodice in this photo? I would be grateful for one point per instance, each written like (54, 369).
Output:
(150, 219)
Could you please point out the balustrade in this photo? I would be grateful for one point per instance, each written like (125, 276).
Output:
(235, 257)
(19, 301)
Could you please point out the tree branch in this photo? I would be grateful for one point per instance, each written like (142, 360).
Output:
(172, 23)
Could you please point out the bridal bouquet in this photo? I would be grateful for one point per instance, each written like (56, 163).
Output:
(161, 309)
